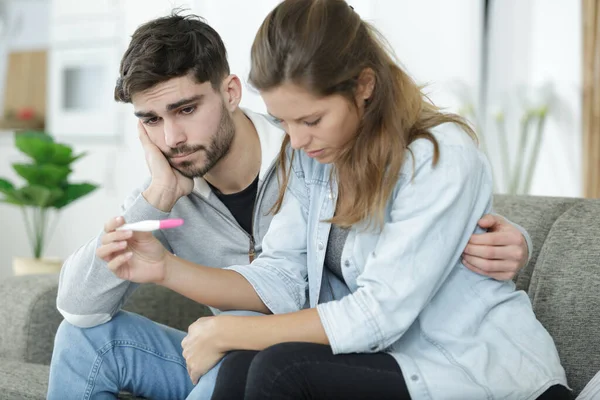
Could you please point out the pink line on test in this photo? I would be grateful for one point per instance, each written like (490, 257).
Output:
(170, 223)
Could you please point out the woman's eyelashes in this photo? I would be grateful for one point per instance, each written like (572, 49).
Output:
(312, 123)
(307, 123)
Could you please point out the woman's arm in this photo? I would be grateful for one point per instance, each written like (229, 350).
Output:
(210, 338)
(275, 282)
(261, 332)
(218, 288)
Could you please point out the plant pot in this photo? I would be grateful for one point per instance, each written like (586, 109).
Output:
(36, 266)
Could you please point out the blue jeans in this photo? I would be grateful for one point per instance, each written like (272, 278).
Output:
(129, 353)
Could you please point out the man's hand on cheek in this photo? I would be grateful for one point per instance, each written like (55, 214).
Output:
(168, 185)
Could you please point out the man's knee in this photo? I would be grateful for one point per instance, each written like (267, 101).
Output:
(69, 335)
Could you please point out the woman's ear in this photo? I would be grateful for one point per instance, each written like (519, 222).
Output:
(365, 86)
(231, 89)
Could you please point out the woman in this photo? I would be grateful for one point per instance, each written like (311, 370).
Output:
(383, 192)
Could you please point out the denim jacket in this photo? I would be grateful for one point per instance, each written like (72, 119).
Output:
(454, 333)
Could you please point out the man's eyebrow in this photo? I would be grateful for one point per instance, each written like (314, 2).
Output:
(170, 107)
(177, 104)
(144, 114)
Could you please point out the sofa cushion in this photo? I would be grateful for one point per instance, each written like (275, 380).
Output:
(536, 215)
(565, 290)
(23, 381)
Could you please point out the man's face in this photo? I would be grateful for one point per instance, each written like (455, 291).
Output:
(188, 122)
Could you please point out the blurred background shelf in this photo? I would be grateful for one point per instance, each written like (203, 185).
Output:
(9, 125)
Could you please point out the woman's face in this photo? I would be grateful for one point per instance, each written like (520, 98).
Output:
(320, 126)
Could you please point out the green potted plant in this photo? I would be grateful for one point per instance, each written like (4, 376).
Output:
(47, 190)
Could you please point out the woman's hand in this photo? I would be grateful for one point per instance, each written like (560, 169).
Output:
(134, 256)
(201, 348)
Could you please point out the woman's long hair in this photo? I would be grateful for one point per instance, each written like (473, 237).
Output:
(323, 46)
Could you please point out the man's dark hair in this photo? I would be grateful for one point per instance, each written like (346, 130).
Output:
(171, 47)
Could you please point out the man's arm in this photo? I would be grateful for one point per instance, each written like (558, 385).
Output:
(89, 294)
(501, 252)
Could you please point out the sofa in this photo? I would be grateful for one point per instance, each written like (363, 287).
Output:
(562, 280)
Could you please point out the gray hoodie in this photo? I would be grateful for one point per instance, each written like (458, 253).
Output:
(90, 294)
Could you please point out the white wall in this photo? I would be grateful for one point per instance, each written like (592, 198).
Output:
(237, 29)
(27, 28)
(556, 55)
(436, 40)
(535, 42)
(406, 23)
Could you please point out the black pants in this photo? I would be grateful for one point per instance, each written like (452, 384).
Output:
(312, 371)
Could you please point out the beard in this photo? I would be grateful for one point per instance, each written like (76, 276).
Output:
(214, 152)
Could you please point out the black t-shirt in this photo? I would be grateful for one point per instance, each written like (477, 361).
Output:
(240, 204)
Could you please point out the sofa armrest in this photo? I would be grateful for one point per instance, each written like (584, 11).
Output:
(28, 318)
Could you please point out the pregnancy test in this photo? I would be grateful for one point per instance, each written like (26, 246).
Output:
(151, 225)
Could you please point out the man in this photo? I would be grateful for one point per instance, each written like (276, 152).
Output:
(212, 164)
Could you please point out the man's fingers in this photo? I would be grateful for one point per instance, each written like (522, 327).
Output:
(147, 144)
(496, 239)
(513, 253)
(500, 276)
(472, 267)
(489, 252)
(481, 265)
(488, 221)
(143, 135)
(488, 267)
